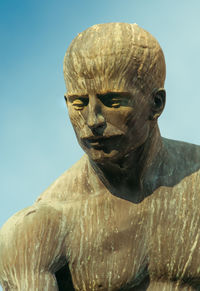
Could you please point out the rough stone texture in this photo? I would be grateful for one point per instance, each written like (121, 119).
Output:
(126, 216)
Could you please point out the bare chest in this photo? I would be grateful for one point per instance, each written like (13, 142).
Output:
(114, 244)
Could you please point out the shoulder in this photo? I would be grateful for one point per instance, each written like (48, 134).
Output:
(37, 232)
(182, 145)
(182, 163)
(183, 152)
(32, 220)
(69, 186)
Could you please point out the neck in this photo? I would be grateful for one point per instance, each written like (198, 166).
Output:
(134, 176)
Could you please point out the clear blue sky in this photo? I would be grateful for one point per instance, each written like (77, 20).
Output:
(37, 142)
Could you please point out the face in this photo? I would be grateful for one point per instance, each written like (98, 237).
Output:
(110, 124)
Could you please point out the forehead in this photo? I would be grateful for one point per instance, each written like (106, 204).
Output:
(97, 85)
(100, 73)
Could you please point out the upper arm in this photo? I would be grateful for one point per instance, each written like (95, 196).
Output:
(31, 247)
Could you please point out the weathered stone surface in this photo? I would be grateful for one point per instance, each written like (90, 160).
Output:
(126, 216)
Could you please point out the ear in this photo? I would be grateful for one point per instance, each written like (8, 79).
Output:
(158, 103)
(65, 96)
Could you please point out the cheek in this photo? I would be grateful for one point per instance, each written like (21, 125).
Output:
(139, 130)
(78, 122)
(118, 117)
(138, 126)
(76, 118)
(138, 118)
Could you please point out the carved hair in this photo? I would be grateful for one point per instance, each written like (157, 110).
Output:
(114, 55)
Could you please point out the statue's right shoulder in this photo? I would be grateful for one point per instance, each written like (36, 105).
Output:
(29, 221)
(31, 241)
(69, 185)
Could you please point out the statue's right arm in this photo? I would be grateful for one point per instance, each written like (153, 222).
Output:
(31, 248)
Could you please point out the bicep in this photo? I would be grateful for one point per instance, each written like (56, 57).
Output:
(31, 245)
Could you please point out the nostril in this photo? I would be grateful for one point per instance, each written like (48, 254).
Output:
(98, 129)
(97, 125)
(95, 131)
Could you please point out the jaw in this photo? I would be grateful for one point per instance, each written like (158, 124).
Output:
(123, 149)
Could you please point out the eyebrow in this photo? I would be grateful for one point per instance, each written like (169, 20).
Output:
(112, 94)
(77, 96)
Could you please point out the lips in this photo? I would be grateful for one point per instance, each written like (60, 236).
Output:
(96, 143)
(101, 142)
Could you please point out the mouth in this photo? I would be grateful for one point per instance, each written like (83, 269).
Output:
(106, 143)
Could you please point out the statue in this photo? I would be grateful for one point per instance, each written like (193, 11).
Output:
(126, 216)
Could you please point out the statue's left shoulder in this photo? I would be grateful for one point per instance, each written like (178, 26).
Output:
(183, 154)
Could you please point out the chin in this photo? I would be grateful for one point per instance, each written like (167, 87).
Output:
(101, 157)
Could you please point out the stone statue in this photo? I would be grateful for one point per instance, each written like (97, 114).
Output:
(126, 216)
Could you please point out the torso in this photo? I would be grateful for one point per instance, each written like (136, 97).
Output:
(114, 244)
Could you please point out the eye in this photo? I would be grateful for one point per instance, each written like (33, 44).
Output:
(80, 103)
(113, 100)
(115, 103)
(110, 101)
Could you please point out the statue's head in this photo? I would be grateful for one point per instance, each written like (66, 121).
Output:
(114, 75)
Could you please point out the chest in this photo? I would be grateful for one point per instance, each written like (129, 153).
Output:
(174, 235)
(114, 243)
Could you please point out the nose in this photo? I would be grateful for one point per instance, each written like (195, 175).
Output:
(95, 119)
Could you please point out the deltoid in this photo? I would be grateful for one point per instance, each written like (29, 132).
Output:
(126, 215)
